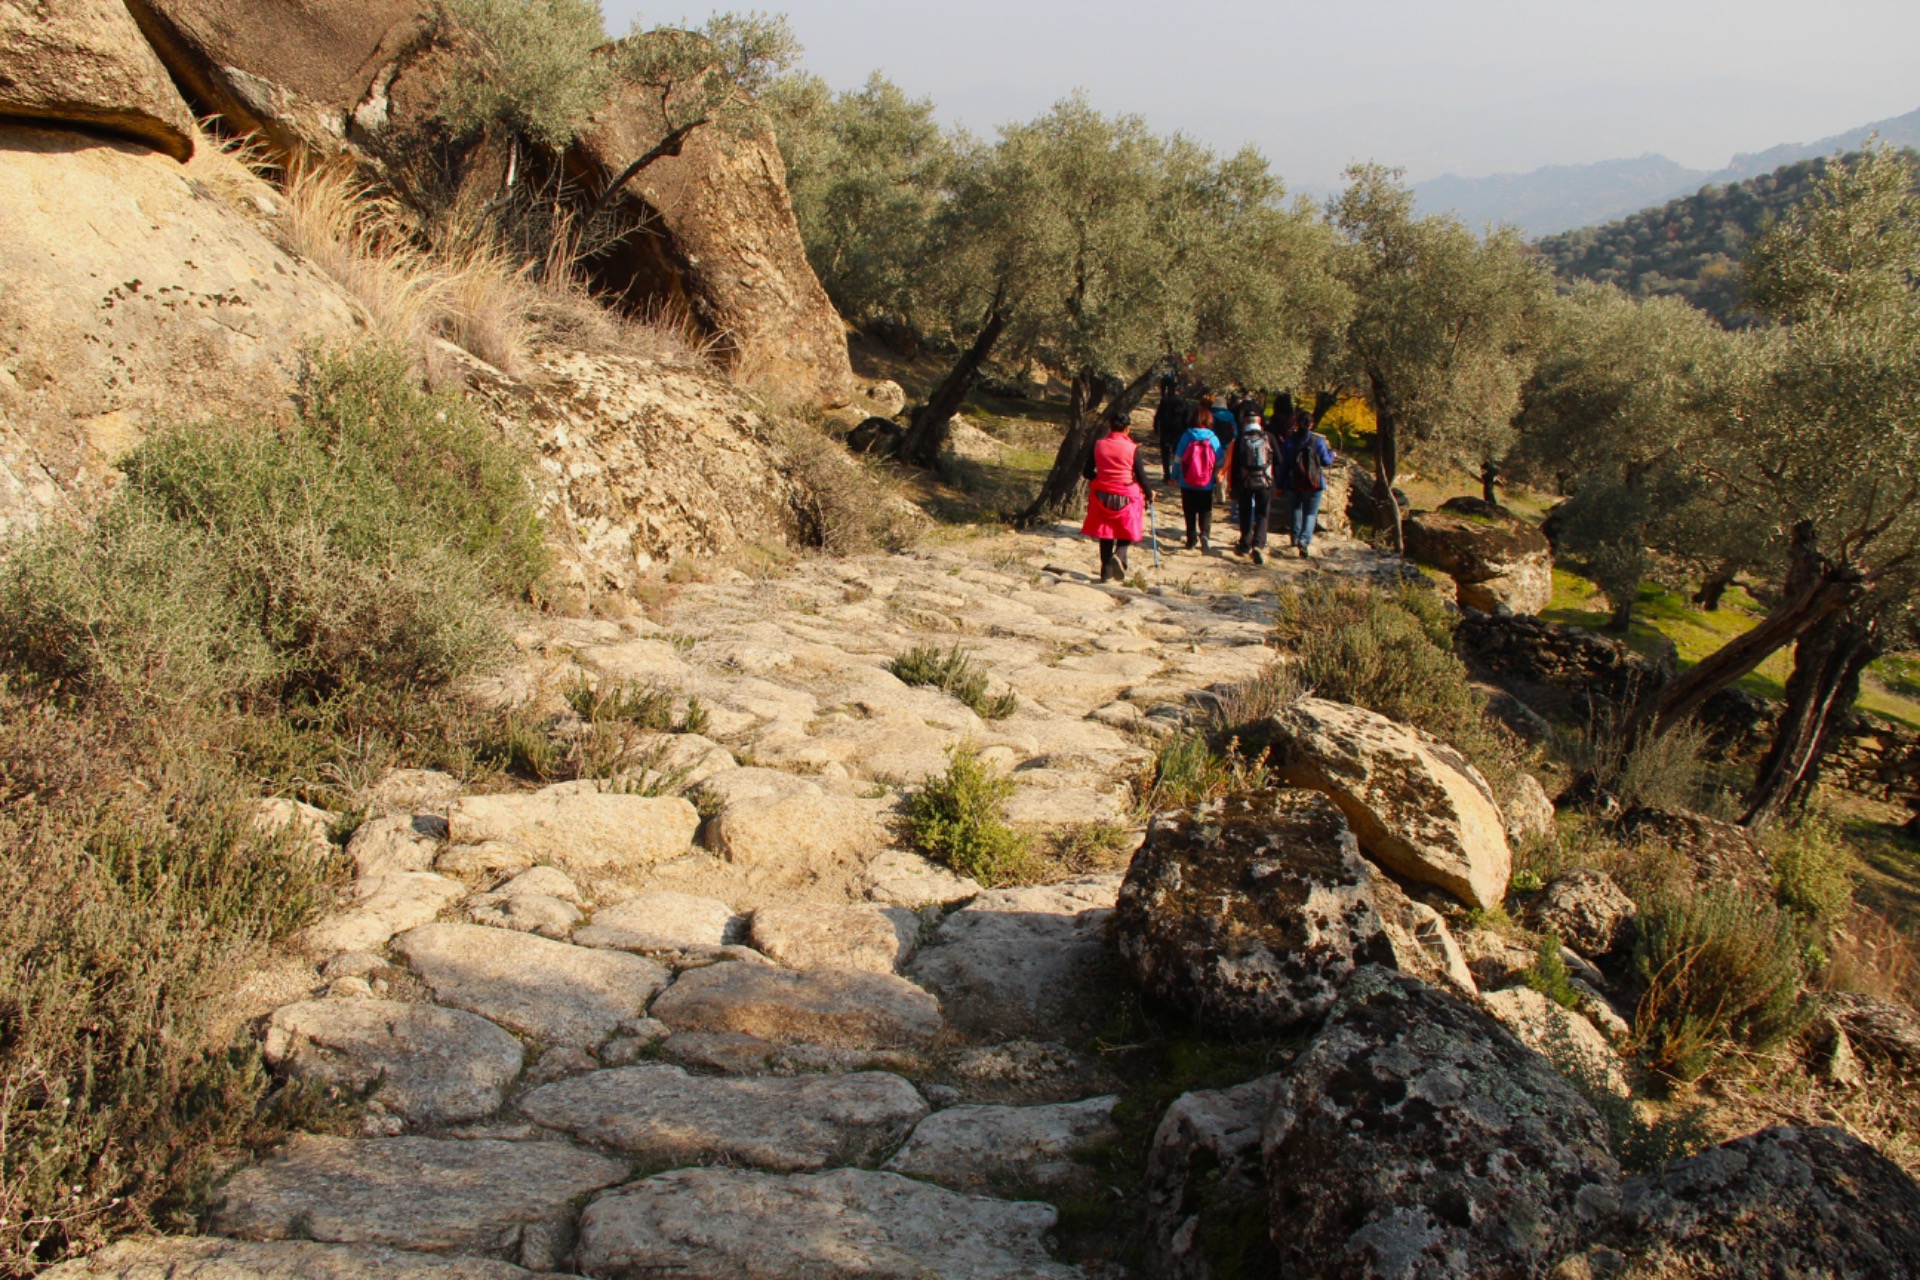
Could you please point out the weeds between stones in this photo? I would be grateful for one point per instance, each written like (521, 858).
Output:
(959, 818)
(953, 671)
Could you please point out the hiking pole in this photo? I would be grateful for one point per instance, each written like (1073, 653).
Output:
(1153, 529)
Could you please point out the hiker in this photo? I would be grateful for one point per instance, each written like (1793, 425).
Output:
(1226, 427)
(1117, 498)
(1195, 460)
(1249, 472)
(1169, 421)
(1304, 459)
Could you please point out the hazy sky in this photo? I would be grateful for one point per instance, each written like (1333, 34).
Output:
(1464, 86)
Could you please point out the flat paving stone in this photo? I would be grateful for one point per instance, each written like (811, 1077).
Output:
(728, 1224)
(212, 1258)
(835, 1008)
(1009, 1150)
(428, 1064)
(552, 991)
(875, 938)
(663, 1117)
(433, 1194)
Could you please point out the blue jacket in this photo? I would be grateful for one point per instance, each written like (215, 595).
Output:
(1290, 450)
(1227, 427)
(1180, 451)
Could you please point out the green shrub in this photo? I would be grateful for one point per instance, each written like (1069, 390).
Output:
(136, 894)
(1390, 651)
(1643, 1146)
(959, 819)
(1549, 975)
(1812, 871)
(1189, 770)
(1668, 772)
(356, 548)
(955, 672)
(534, 70)
(1721, 972)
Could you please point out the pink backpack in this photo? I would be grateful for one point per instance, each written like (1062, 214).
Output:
(1196, 465)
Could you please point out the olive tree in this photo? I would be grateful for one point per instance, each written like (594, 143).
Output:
(1822, 442)
(869, 173)
(1440, 331)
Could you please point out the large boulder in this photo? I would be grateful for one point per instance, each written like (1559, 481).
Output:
(1496, 557)
(159, 302)
(1781, 1202)
(1584, 909)
(1249, 913)
(719, 214)
(1416, 1137)
(299, 81)
(83, 62)
(1417, 805)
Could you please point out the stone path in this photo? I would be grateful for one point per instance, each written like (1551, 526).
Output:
(741, 1032)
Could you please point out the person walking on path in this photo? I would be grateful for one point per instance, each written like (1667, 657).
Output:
(1305, 456)
(1169, 421)
(1116, 499)
(1196, 459)
(1249, 472)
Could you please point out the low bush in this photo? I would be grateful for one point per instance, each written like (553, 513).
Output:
(1668, 772)
(1812, 872)
(136, 893)
(1644, 1139)
(1390, 651)
(1190, 769)
(1722, 972)
(953, 671)
(841, 504)
(356, 548)
(1549, 975)
(959, 818)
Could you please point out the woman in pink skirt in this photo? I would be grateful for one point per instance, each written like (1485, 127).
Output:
(1117, 500)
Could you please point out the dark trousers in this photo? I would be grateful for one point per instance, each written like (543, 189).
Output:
(1166, 456)
(1197, 506)
(1255, 508)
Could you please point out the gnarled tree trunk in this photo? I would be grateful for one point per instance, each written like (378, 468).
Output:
(1715, 586)
(1821, 691)
(1386, 463)
(1816, 589)
(927, 436)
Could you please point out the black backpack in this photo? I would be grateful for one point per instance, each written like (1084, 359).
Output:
(1255, 456)
(1308, 475)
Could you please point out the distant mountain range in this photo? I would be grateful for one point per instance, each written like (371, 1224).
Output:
(1562, 197)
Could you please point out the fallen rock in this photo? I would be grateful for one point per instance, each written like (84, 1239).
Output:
(1879, 1029)
(1494, 556)
(909, 880)
(1205, 1185)
(85, 63)
(550, 991)
(211, 1258)
(1417, 1137)
(1781, 1202)
(1022, 961)
(1010, 1151)
(664, 1117)
(1529, 809)
(1416, 804)
(430, 1065)
(727, 1224)
(660, 921)
(834, 1008)
(1561, 1036)
(1248, 914)
(383, 906)
(877, 939)
(1422, 942)
(586, 834)
(1584, 909)
(395, 843)
(498, 1199)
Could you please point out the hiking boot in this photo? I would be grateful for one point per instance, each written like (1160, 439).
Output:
(1257, 557)
(1204, 548)
(1189, 544)
(1305, 554)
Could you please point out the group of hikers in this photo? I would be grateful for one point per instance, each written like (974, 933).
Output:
(1207, 443)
